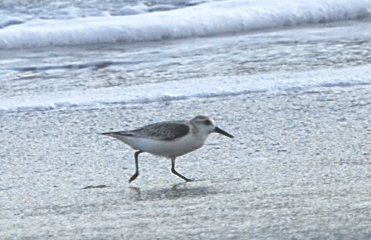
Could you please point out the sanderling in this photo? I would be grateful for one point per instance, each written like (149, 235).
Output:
(169, 139)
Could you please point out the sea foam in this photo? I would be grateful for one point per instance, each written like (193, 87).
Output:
(191, 88)
(206, 19)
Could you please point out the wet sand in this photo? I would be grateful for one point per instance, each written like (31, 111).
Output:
(299, 167)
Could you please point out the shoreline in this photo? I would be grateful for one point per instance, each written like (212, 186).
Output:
(297, 168)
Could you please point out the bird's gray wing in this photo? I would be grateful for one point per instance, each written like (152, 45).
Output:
(161, 131)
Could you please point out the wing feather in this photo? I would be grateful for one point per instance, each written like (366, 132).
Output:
(161, 131)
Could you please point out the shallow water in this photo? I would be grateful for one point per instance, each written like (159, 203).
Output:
(101, 66)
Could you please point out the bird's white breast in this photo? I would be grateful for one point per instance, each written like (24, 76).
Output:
(167, 148)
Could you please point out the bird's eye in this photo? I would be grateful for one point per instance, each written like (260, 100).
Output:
(207, 122)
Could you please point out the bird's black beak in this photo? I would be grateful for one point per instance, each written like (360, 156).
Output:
(218, 130)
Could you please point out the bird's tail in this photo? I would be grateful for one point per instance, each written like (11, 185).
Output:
(117, 134)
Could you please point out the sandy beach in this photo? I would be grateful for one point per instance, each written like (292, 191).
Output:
(299, 167)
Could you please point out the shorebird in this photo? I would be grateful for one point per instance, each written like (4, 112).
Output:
(168, 139)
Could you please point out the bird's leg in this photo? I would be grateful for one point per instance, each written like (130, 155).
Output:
(176, 173)
(136, 174)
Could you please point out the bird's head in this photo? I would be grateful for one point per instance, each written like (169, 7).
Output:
(207, 125)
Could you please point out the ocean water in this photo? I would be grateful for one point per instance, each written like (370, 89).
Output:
(83, 53)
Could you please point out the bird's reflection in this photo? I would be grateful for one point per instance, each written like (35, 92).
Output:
(175, 192)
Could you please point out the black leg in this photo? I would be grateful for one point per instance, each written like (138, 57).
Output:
(176, 173)
(136, 174)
